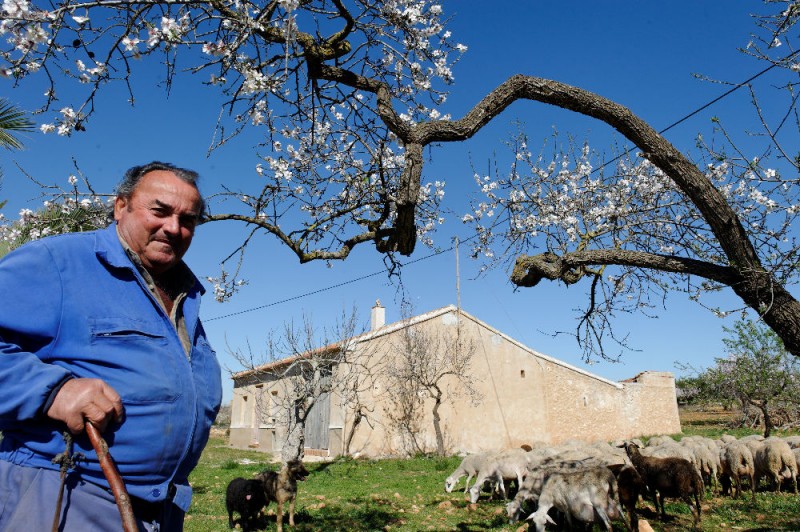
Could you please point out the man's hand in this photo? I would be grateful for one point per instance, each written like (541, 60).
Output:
(82, 399)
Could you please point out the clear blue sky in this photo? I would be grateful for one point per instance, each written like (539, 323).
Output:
(641, 54)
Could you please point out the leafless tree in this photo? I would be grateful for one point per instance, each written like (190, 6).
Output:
(301, 366)
(348, 94)
(426, 369)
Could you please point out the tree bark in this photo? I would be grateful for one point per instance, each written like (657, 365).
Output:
(437, 424)
(356, 422)
(767, 419)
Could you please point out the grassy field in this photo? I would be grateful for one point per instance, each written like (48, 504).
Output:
(408, 495)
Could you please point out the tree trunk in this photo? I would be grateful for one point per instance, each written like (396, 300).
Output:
(294, 446)
(437, 424)
(767, 419)
(356, 422)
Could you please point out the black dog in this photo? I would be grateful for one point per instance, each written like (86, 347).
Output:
(281, 487)
(246, 497)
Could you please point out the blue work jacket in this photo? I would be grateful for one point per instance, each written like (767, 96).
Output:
(75, 305)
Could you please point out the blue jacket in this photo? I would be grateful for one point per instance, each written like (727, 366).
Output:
(75, 305)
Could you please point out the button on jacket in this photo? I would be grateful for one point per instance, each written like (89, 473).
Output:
(76, 306)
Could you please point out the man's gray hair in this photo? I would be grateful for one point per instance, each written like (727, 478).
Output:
(134, 175)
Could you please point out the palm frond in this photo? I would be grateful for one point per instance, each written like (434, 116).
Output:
(12, 119)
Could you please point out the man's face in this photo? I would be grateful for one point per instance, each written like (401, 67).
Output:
(159, 218)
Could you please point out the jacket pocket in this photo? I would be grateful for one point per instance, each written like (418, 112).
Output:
(137, 359)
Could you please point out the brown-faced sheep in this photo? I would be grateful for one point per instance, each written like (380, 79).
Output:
(629, 487)
(668, 477)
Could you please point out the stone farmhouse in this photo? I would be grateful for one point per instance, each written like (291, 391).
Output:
(522, 396)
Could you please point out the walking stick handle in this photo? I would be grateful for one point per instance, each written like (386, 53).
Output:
(114, 478)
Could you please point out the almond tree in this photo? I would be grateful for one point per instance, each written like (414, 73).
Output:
(348, 94)
(757, 373)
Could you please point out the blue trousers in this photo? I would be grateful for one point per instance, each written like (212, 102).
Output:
(28, 498)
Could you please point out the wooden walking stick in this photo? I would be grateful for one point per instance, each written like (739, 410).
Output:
(114, 479)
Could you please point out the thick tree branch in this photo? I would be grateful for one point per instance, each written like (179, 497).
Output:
(346, 246)
(571, 267)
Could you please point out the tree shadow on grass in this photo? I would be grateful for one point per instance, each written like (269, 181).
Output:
(497, 521)
(337, 519)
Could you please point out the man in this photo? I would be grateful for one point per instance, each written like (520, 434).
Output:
(103, 327)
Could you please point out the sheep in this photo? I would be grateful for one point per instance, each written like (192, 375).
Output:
(773, 459)
(629, 486)
(753, 444)
(245, 497)
(661, 439)
(531, 486)
(587, 495)
(752, 437)
(793, 441)
(736, 461)
(510, 464)
(668, 477)
(468, 467)
(706, 461)
(669, 450)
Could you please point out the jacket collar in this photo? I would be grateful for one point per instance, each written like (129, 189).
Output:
(110, 250)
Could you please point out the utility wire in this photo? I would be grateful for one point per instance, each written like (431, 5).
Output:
(325, 289)
(451, 248)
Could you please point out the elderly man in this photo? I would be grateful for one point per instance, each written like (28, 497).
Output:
(103, 327)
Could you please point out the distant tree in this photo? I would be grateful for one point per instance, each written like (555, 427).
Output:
(349, 95)
(301, 367)
(66, 216)
(223, 419)
(757, 373)
(425, 370)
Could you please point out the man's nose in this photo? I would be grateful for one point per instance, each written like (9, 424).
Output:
(172, 225)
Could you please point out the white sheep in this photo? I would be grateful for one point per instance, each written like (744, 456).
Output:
(669, 450)
(655, 441)
(585, 495)
(531, 486)
(774, 459)
(706, 458)
(736, 461)
(511, 464)
(468, 467)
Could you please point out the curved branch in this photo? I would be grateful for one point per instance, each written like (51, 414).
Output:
(571, 267)
(346, 246)
(715, 209)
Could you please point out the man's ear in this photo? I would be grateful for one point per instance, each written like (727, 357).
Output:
(120, 204)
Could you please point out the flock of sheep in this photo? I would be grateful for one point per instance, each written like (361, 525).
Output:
(600, 482)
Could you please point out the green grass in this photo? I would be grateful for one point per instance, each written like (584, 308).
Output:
(408, 495)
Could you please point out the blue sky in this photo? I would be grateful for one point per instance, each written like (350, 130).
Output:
(640, 54)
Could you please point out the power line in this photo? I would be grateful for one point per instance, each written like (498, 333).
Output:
(325, 289)
(439, 252)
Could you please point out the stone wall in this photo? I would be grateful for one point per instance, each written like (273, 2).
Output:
(526, 397)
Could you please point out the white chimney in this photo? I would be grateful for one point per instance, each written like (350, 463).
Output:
(378, 316)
